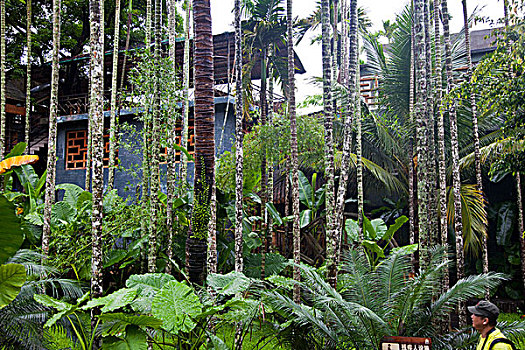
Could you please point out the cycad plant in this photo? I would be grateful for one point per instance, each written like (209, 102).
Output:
(372, 302)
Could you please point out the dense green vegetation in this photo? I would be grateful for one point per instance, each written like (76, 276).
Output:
(252, 252)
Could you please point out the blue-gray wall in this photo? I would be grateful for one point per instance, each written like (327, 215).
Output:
(127, 176)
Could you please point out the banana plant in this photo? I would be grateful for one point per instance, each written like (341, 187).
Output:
(12, 276)
(377, 237)
(311, 198)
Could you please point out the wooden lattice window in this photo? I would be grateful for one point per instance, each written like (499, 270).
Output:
(191, 140)
(76, 149)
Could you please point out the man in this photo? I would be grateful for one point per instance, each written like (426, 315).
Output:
(484, 319)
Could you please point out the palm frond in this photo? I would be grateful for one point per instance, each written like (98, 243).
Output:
(493, 150)
(469, 287)
(473, 214)
(392, 183)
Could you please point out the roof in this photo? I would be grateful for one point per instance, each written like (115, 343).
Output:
(223, 57)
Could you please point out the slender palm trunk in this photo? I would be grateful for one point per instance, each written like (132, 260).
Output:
(521, 225)
(2, 81)
(456, 180)
(147, 39)
(171, 153)
(128, 28)
(264, 172)
(430, 156)
(412, 193)
(344, 44)
(53, 111)
(97, 106)
(441, 130)
(204, 141)
(89, 146)
(271, 162)
(238, 140)
(113, 131)
(475, 132)
(155, 146)
(359, 154)
(421, 125)
(146, 148)
(28, 76)
(186, 81)
(347, 133)
(335, 50)
(331, 237)
(295, 164)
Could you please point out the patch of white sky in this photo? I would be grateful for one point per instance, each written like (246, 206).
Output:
(378, 11)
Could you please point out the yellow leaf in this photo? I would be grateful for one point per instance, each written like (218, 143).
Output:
(8, 163)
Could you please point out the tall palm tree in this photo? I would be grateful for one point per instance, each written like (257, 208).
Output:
(421, 129)
(172, 138)
(51, 148)
(441, 128)
(146, 149)
(352, 78)
(155, 145)
(186, 82)
(204, 141)
(113, 132)
(519, 200)
(28, 74)
(521, 225)
(475, 132)
(97, 107)
(296, 230)
(430, 152)
(2, 78)
(411, 166)
(238, 140)
(331, 238)
(456, 179)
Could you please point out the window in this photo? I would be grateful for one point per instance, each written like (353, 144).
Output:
(76, 149)
(191, 139)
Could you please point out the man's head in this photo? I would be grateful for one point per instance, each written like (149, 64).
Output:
(484, 315)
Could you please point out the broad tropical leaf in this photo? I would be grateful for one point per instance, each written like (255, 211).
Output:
(116, 323)
(147, 285)
(229, 284)
(134, 339)
(63, 308)
(11, 235)
(275, 263)
(72, 193)
(113, 301)
(176, 305)
(11, 162)
(12, 278)
(62, 213)
(18, 150)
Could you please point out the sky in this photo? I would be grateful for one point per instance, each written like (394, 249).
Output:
(377, 10)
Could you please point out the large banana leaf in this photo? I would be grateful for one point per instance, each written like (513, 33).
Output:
(11, 235)
(11, 162)
(12, 278)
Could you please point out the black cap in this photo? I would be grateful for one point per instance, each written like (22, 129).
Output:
(484, 308)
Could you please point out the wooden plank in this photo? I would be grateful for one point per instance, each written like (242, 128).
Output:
(12, 109)
(406, 343)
